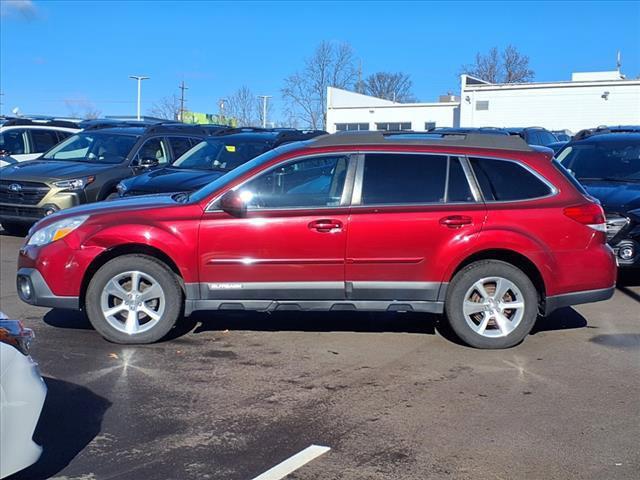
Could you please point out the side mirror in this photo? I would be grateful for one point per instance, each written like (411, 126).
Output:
(233, 203)
(148, 162)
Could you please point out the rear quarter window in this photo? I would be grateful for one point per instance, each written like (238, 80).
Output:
(506, 180)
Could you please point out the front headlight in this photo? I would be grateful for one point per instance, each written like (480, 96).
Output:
(75, 184)
(56, 230)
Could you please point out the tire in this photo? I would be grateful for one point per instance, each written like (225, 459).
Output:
(488, 324)
(123, 318)
(15, 228)
(112, 196)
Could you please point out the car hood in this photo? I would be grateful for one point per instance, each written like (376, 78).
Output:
(35, 170)
(124, 205)
(171, 180)
(615, 196)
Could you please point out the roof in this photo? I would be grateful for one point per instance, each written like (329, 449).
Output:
(473, 140)
(609, 137)
(604, 130)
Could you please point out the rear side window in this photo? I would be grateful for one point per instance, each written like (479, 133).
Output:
(12, 142)
(504, 180)
(392, 179)
(180, 145)
(42, 140)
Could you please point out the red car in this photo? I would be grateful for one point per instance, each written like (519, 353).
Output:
(483, 228)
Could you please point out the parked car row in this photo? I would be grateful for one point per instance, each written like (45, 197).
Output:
(89, 165)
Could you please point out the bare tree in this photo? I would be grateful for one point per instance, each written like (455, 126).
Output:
(305, 92)
(516, 66)
(390, 86)
(82, 108)
(508, 66)
(243, 106)
(167, 108)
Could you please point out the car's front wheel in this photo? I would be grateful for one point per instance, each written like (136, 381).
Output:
(133, 299)
(491, 304)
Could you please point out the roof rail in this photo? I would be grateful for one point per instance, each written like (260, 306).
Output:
(589, 132)
(288, 136)
(455, 139)
(45, 123)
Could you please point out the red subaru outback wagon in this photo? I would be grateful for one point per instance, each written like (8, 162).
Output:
(482, 228)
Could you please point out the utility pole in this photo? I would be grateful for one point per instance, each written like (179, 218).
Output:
(1, 95)
(182, 100)
(139, 78)
(359, 89)
(264, 109)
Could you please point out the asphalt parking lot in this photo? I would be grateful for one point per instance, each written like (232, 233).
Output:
(236, 393)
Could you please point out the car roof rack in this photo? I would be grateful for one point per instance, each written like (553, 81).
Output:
(100, 123)
(40, 122)
(589, 132)
(293, 135)
(178, 127)
(475, 140)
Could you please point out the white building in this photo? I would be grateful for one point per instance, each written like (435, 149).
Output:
(589, 99)
(354, 111)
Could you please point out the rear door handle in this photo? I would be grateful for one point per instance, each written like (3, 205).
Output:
(456, 221)
(326, 225)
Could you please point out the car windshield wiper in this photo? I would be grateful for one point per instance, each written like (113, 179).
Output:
(181, 197)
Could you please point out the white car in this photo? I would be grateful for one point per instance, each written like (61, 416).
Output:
(22, 394)
(26, 139)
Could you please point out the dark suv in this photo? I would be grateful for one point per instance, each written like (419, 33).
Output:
(606, 161)
(483, 228)
(211, 159)
(534, 135)
(87, 166)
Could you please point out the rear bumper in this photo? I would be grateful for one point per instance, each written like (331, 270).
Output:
(33, 289)
(575, 298)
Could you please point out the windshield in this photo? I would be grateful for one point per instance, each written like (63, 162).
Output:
(603, 161)
(221, 154)
(220, 182)
(93, 147)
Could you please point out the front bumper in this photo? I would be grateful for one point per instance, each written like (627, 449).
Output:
(575, 298)
(54, 201)
(33, 289)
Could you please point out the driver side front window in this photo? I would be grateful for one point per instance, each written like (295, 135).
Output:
(316, 182)
(153, 149)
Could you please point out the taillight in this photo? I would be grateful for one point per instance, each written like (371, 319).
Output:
(13, 333)
(589, 214)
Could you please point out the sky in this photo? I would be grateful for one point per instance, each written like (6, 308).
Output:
(57, 57)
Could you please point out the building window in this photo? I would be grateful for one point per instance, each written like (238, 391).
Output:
(394, 126)
(482, 105)
(429, 125)
(344, 127)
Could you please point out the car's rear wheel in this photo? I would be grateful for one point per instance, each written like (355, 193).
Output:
(133, 299)
(491, 304)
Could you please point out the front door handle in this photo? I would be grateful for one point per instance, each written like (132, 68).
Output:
(456, 221)
(326, 225)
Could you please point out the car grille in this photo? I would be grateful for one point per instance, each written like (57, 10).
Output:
(615, 223)
(22, 193)
(21, 212)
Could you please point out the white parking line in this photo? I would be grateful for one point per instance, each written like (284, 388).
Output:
(292, 464)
